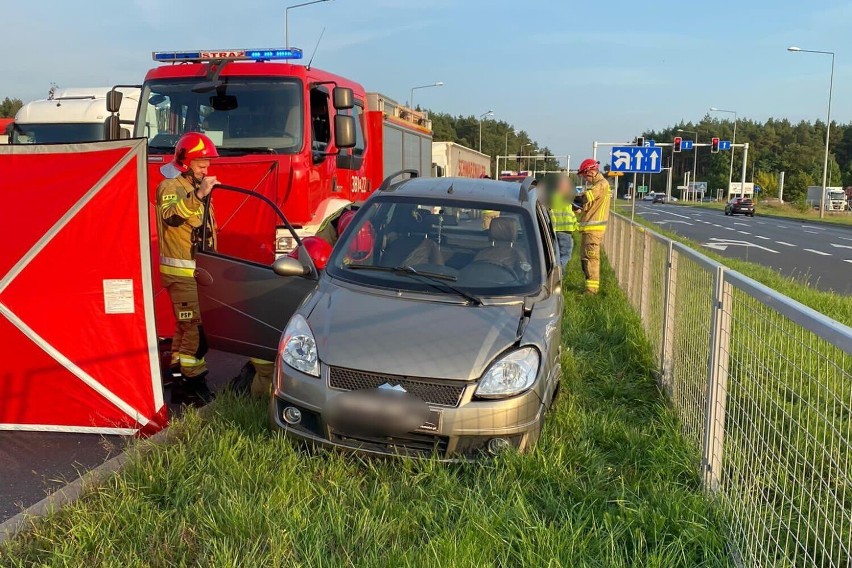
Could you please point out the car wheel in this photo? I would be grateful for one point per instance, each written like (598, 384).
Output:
(726, 213)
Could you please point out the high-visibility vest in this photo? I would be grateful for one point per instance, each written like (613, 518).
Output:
(562, 214)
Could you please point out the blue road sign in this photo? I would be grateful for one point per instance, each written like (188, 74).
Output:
(649, 143)
(637, 159)
(686, 145)
(724, 144)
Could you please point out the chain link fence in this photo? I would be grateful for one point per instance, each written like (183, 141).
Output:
(763, 388)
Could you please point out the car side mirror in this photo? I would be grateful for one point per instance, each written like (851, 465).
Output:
(344, 131)
(342, 99)
(113, 100)
(286, 266)
(112, 128)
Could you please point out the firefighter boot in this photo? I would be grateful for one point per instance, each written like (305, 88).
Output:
(198, 393)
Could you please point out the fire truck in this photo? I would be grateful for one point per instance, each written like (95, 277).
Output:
(308, 140)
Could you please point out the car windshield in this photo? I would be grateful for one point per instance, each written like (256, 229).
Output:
(57, 133)
(480, 250)
(240, 115)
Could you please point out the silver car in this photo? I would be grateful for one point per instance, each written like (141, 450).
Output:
(425, 335)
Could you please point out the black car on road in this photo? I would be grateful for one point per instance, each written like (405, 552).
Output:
(741, 205)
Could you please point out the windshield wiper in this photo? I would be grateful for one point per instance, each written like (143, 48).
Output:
(431, 277)
(248, 150)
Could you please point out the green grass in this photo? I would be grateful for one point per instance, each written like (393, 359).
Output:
(612, 483)
(784, 211)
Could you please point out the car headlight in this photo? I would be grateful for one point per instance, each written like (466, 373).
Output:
(298, 347)
(510, 375)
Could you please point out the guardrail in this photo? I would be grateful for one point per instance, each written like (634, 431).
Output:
(762, 386)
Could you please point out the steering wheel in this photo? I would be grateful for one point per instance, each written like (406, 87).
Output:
(484, 270)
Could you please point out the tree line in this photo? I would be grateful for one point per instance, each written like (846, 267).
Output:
(10, 107)
(776, 145)
(499, 138)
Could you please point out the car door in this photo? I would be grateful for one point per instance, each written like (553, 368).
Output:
(245, 305)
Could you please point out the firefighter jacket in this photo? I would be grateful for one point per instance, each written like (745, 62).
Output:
(179, 220)
(595, 212)
(562, 214)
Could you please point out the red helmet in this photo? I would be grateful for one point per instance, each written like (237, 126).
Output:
(318, 249)
(361, 246)
(191, 146)
(588, 164)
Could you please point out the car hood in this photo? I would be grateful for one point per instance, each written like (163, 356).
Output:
(381, 333)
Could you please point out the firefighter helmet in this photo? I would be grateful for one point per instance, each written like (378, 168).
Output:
(588, 164)
(191, 146)
(360, 246)
(318, 249)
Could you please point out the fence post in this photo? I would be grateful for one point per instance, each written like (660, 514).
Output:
(630, 270)
(644, 291)
(667, 347)
(622, 255)
(717, 382)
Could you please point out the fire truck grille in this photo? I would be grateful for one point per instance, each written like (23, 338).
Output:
(439, 393)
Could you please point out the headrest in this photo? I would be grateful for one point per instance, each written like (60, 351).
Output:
(504, 229)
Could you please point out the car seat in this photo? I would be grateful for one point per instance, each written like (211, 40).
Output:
(503, 232)
(409, 243)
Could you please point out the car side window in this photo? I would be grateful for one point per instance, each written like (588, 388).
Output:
(320, 121)
(548, 237)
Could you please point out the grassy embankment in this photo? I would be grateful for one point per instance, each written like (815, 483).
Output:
(612, 483)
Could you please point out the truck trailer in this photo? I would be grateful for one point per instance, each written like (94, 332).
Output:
(835, 198)
(454, 160)
(70, 115)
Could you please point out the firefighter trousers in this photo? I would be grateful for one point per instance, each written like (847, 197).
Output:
(189, 344)
(261, 384)
(591, 246)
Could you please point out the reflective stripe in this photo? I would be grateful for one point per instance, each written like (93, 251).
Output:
(190, 361)
(594, 229)
(257, 361)
(593, 284)
(172, 271)
(177, 262)
(186, 211)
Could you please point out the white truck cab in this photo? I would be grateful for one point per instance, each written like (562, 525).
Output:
(70, 115)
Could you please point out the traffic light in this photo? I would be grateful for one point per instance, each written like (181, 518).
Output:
(640, 141)
(677, 142)
(714, 145)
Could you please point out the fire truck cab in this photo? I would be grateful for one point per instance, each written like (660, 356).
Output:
(308, 140)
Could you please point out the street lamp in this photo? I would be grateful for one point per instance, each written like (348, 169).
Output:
(521, 153)
(510, 131)
(481, 116)
(827, 124)
(694, 159)
(411, 98)
(731, 170)
(287, 19)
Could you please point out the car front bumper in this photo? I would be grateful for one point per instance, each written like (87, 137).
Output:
(453, 433)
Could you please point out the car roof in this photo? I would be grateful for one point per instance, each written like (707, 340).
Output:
(464, 190)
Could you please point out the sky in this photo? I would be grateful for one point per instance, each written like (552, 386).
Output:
(567, 72)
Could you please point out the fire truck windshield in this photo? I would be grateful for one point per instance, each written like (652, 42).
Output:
(240, 115)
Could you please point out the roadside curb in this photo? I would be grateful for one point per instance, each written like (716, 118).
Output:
(69, 493)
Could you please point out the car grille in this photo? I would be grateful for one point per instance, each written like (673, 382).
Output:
(411, 444)
(440, 393)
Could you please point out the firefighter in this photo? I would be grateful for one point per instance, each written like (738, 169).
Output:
(180, 203)
(593, 216)
(563, 215)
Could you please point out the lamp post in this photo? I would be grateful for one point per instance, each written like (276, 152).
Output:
(521, 152)
(827, 123)
(731, 170)
(510, 131)
(694, 157)
(287, 19)
(411, 98)
(481, 116)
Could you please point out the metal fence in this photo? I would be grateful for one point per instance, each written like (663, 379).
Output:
(763, 388)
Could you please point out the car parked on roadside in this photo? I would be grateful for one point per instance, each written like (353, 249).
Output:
(425, 335)
(741, 205)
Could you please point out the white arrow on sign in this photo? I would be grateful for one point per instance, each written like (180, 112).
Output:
(733, 243)
(639, 160)
(653, 156)
(622, 160)
(841, 246)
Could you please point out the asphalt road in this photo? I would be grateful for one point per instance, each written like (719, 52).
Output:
(34, 464)
(819, 253)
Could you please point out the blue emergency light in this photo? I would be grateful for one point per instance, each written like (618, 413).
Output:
(228, 55)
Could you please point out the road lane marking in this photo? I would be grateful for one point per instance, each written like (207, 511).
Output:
(818, 252)
(766, 238)
(842, 246)
(812, 232)
(730, 229)
(744, 232)
(848, 260)
(722, 244)
(742, 224)
(812, 227)
(677, 215)
(783, 243)
(845, 238)
(760, 223)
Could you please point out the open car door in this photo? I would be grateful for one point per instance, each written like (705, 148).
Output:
(246, 296)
